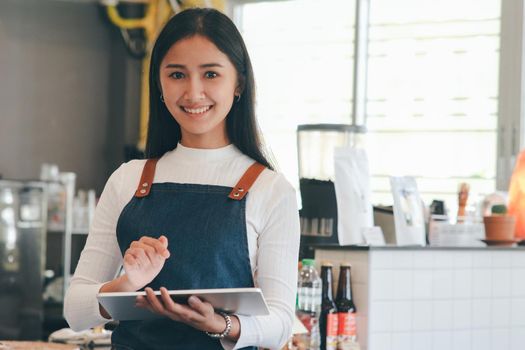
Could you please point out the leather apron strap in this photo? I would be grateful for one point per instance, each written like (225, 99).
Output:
(146, 180)
(238, 192)
(246, 181)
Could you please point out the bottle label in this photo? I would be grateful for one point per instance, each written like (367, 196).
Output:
(347, 331)
(304, 300)
(309, 299)
(347, 323)
(332, 321)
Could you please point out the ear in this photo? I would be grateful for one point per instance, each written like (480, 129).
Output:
(239, 89)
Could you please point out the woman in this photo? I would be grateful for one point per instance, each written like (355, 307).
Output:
(206, 210)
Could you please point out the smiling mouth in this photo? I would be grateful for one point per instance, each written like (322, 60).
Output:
(196, 111)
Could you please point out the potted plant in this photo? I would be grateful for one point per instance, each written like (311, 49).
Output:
(499, 226)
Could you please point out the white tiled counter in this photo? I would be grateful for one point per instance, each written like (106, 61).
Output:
(426, 298)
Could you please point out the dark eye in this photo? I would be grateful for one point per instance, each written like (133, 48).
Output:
(210, 75)
(177, 75)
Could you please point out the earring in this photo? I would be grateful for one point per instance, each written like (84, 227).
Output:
(238, 97)
(162, 97)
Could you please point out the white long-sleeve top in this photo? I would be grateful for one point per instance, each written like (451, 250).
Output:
(272, 227)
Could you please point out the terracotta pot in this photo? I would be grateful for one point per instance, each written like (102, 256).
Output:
(499, 227)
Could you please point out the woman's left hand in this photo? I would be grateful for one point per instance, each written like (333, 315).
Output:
(198, 314)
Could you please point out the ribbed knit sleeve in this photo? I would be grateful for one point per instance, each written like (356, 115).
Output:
(99, 262)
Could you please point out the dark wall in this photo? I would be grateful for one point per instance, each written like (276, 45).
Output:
(69, 92)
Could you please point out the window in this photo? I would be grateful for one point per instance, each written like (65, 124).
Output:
(302, 56)
(433, 94)
(432, 85)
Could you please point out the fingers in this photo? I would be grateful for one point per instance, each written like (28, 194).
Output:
(144, 251)
(145, 246)
(180, 310)
(140, 245)
(159, 245)
(197, 313)
(155, 304)
(142, 301)
(164, 240)
(139, 256)
(148, 247)
(203, 308)
(129, 259)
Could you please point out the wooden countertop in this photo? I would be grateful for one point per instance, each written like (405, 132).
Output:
(29, 345)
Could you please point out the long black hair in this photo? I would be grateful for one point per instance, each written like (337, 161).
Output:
(241, 125)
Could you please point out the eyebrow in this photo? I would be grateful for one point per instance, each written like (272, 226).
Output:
(206, 65)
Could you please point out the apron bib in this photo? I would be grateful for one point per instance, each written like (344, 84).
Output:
(206, 230)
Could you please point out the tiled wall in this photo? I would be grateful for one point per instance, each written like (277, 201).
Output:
(439, 299)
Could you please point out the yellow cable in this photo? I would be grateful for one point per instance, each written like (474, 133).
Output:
(123, 23)
(216, 4)
(157, 15)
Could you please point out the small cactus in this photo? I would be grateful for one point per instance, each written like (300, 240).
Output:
(499, 209)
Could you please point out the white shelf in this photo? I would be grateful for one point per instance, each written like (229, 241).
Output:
(75, 231)
(28, 224)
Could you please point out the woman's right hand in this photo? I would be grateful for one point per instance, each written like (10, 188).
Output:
(144, 259)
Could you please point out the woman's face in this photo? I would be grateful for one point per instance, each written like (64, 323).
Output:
(199, 84)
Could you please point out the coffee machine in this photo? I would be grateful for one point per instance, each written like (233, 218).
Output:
(316, 144)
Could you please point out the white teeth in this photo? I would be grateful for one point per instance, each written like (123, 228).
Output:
(196, 110)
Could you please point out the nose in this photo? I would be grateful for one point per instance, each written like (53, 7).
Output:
(194, 89)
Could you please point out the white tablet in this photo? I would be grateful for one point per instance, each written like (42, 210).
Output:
(242, 301)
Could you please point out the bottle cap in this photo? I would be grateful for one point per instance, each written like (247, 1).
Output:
(327, 263)
(346, 264)
(308, 262)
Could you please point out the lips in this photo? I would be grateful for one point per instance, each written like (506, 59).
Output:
(196, 110)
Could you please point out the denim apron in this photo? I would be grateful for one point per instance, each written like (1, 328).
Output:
(206, 230)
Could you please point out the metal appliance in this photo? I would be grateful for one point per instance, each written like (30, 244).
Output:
(23, 220)
(315, 147)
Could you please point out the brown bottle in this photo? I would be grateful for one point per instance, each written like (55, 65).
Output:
(346, 311)
(328, 318)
